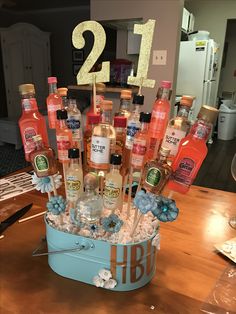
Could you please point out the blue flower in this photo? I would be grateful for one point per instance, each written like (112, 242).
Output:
(111, 223)
(145, 202)
(56, 205)
(44, 184)
(166, 209)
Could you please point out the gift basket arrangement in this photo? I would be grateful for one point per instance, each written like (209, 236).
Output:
(105, 229)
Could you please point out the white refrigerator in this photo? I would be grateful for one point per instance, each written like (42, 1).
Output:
(198, 64)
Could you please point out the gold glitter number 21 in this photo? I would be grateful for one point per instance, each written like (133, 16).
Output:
(84, 76)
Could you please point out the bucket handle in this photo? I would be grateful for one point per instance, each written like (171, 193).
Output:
(74, 249)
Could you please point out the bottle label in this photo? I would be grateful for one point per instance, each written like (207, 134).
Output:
(74, 124)
(153, 177)
(158, 124)
(201, 130)
(73, 187)
(132, 129)
(52, 107)
(29, 144)
(138, 152)
(41, 163)
(63, 144)
(183, 173)
(100, 150)
(26, 104)
(111, 195)
(159, 114)
(172, 139)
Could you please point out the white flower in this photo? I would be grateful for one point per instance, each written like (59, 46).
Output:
(44, 184)
(105, 274)
(98, 282)
(156, 241)
(110, 284)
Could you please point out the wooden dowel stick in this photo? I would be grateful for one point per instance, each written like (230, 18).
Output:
(135, 225)
(140, 87)
(31, 217)
(49, 195)
(170, 195)
(1, 236)
(53, 186)
(130, 191)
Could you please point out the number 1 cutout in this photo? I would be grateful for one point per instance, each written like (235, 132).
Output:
(146, 30)
(84, 76)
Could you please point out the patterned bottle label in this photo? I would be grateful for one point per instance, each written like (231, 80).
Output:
(26, 104)
(138, 152)
(100, 150)
(183, 173)
(73, 187)
(172, 139)
(29, 144)
(74, 124)
(41, 163)
(63, 144)
(111, 195)
(153, 177)
(52, 107)
(132, 129)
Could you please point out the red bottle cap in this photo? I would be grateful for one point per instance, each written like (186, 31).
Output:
(166, 84)
(120, 122)
(52, 79)
(93, 118)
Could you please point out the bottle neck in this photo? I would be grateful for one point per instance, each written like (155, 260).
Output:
(106, 117)
(165, 93)
(162, 158)
(52, 88)
(144, 126)
(137, 108)
(28, 102)
(72, 104)
(62, 124)
(38, 145)
(89, 189)
(124, 104)
(74, 162)
(183, 111)
(114, 168)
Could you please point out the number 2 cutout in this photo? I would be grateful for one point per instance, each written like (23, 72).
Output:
(83, 76)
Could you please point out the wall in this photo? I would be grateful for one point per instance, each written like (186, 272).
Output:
(168, 15)
(212, 16)
(228, 75)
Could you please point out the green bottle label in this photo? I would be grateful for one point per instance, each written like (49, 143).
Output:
(153, 177)
(41, 163)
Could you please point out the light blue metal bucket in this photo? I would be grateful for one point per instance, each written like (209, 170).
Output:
(132, 265)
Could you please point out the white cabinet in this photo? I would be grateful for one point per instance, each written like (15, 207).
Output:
(26, 59)
(187, 21)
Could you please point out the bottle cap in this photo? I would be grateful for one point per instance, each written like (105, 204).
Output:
(52, 79)
(106, 105)
(187, 100)
(126, 94)
(100, 87)
(115, 159)
(164, 151)
(91, 179)
(62, 114)
(166, 84)
(26, 89)
(208, 114)
(72, 94)
(93, 118)
(138, 99)
(145, 117)
(37, 138)
(73, 153)
(62, 91)
(120, 122)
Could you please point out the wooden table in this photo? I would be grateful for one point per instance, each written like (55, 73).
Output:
(187, 264)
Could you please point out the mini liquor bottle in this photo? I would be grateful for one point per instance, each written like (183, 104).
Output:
(63, 136)
(156, 172)
(209, 115)
(90, 205)
(54, 102)
(178, 127)
(160, 117)
(93, 120)
(43, 159)
(74, 178)
(113, 185)
(31, 121)
(192, 151)
(103, 140)
(120, 128)
(141, 142)
(62, 91)
(74, 119)
(125, 103)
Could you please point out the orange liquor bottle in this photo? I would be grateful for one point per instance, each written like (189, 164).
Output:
(31, 121)
(192, 151)
(160, 116)
(64, 136)
(54, 102)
